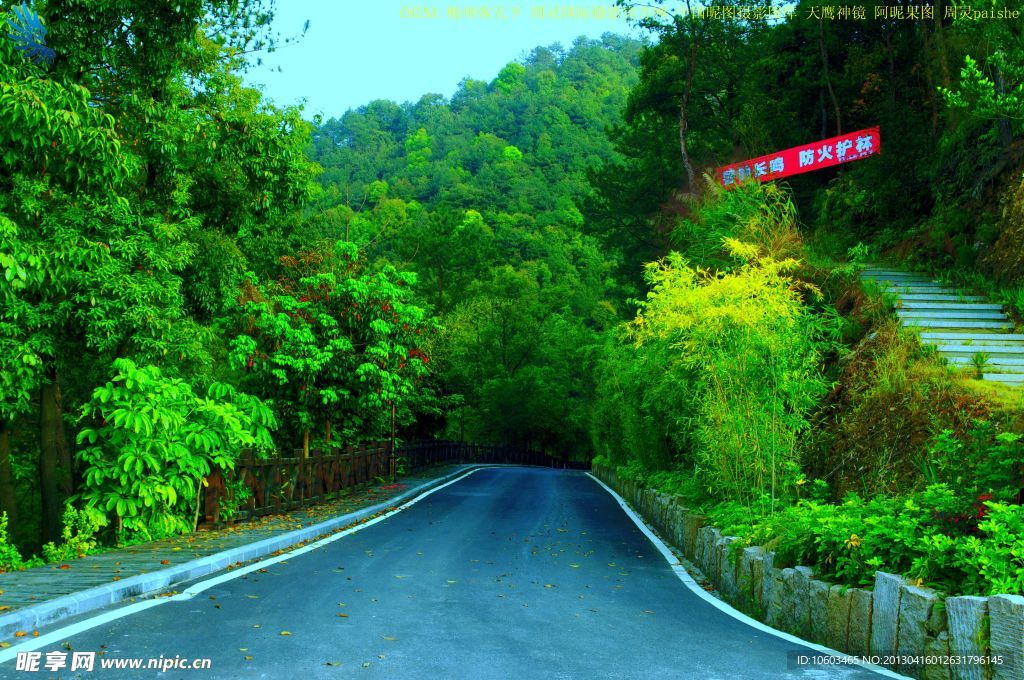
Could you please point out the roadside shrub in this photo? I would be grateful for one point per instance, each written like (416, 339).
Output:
(10, 558)
(78, 537)
(749, 351)
(149, 441)
(953, 542)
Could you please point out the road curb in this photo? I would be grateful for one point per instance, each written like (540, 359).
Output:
(67, 606)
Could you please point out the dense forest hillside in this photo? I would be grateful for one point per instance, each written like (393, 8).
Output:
(483, 197)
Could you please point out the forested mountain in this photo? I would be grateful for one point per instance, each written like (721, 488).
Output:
(482, 196)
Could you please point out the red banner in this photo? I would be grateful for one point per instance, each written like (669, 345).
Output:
(814, 156)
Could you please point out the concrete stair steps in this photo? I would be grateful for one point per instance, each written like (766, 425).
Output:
(961, 327)
(937, 289)
(961, 314)
(951, 324)
(896, 281)
(991, 365)
(887, 271)
(991, 350)
(939, 297)
(948, 306)
(973, 338)
(1014, 379)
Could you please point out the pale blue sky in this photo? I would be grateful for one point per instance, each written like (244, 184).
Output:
(359, 50)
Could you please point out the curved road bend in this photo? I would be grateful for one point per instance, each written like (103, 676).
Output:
(508, 573)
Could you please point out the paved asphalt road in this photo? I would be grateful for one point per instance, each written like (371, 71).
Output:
(508, 573)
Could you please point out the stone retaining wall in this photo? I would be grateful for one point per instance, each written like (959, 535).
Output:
(893, 618)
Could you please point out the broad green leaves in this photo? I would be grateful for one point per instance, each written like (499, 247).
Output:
(334, 346)
(148, 440)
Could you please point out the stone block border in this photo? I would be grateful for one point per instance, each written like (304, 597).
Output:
(895, 618)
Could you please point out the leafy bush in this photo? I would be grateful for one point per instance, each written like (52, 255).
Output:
(237, 497)
(152, 442)
(78, 536)
(10, 558)
(993, 562)
(958, 544)
(738, 356)
(760, 214)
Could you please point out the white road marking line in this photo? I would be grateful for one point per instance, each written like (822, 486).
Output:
(685, 577)
(60, 635)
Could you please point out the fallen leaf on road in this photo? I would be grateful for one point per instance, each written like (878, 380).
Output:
(4, 645)
(165, 561)
(575, 566)
(64, 566)
(450, 581)
(648, 611)
(253, 597)
(389, 638)
(255, 625)
(4, 608)
(344, 616)
(284, 632)
(248, 658)
(366, 665)
(243, 649)
(562, 530)
(548, 585)
(20, 633)
(332, 663)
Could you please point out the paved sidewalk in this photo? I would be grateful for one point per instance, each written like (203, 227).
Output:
(46, 594)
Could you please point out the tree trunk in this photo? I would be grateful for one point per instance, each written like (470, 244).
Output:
(828, 78)
(8, 502)
(52, 454)
(690, 175)
(940, 41)
(933, 96)
(824, 113)
(691, 182)
(305, 443)
(65, 459)
(391, 453)
(440, 287)
(1003, 124)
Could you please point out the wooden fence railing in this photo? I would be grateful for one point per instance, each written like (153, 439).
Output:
(284, 483)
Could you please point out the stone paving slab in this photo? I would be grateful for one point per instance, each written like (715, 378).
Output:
(36, 596)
